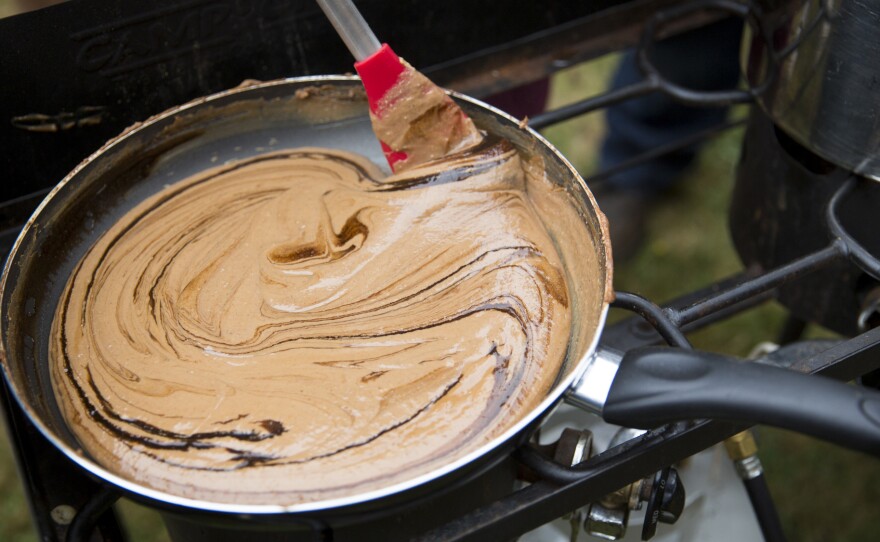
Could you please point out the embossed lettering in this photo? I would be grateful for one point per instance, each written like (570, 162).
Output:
(162, 35)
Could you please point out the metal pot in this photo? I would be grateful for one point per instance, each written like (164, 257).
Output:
(822, 75)
(643, 389)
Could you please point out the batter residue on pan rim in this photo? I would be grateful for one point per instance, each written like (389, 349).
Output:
(294, 327)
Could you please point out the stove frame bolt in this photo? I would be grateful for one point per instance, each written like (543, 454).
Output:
(606, 523)
(63, 514)
(608, 518)
(573, 446)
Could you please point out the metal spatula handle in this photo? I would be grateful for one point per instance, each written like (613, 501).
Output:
(351, 27)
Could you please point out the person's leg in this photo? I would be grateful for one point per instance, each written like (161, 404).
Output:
(702, 59)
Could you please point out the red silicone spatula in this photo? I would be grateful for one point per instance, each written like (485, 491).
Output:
(415, 120)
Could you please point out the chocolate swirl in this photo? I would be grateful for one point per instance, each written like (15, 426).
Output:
(293, 327)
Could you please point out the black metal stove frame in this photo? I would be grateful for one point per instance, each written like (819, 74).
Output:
(477, 65)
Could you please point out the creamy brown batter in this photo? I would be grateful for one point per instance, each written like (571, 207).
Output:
(294, 327)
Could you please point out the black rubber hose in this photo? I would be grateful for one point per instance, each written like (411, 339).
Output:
(765, 509)
(87, 517)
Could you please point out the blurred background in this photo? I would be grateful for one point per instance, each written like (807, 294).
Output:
(823, 493)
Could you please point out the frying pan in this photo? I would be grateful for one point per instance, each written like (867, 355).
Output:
(644, 388)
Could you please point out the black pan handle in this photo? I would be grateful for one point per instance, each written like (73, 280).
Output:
(654, 386)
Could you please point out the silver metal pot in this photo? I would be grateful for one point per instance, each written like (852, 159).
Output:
(821, 62)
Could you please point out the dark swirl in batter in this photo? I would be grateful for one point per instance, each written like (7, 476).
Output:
(295, 327)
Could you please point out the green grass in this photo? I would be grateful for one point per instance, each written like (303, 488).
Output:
(15, 521)
(823, 492)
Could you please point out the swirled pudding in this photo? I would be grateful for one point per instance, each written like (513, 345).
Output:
(294, 326)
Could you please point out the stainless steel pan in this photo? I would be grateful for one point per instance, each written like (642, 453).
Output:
(645, 388)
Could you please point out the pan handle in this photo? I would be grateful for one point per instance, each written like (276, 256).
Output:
(654, 386)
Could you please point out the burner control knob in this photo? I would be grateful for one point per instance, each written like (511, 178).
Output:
(666, 502)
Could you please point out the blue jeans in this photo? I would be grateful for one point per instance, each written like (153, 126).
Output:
(702, 59)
